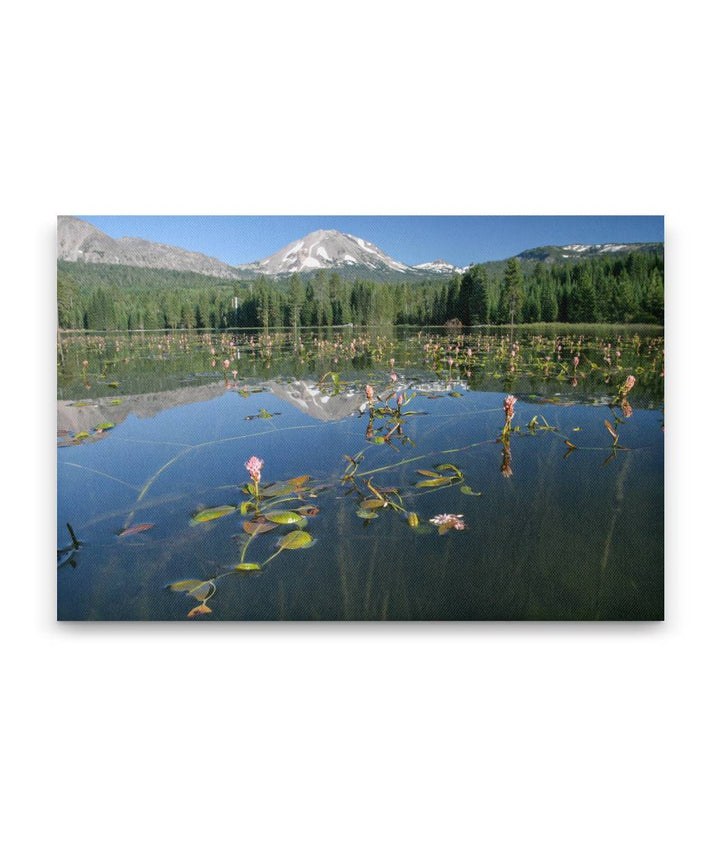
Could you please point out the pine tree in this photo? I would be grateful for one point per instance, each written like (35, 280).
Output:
(511, 297)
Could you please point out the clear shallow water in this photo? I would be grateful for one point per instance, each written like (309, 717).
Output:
(569, 534)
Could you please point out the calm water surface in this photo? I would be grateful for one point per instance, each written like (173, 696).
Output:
(562, 521)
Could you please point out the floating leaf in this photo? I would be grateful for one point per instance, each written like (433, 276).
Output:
(244, 507)
(413, 519)
(257, 527)
(433, 475)
(283, 517)
(308, 510)
(373, 503)
(466, 489)
(296, 540)
(298, 481)
(201, 609)
(185, 585)
(247, 566)
(451, 467)
(138, 527)
(82, 435)
(444, 480)
(104, 426)
(208, 514)
(285, 487)
(366, 513)
(204, 591)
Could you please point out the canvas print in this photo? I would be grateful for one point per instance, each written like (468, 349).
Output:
(360, 418)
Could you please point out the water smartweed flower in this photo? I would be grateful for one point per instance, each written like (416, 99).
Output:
(254, 466)
(509, 406)
(627, 386)
(448, 521)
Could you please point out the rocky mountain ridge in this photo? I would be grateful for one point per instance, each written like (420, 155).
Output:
(326, 249)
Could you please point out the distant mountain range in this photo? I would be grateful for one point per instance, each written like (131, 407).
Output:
(80, 241)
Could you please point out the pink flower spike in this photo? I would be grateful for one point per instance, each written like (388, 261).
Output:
(628, 385)
(254, 466)
(509, 405)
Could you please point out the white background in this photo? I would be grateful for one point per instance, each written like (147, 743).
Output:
(501, 739)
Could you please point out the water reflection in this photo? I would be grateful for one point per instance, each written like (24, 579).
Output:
(376, 445)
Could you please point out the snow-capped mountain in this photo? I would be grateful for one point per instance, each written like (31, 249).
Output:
(553, 254)
(326, 249)
(79, 242)
(439, 266)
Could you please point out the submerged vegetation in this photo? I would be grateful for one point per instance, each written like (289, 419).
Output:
(399, 470)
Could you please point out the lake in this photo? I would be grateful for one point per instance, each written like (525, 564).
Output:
(407, 474)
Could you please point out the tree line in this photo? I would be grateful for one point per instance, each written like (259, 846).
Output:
(602, 289)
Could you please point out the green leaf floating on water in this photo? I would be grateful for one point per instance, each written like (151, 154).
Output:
(466, 489)
(373, 503)
(104, 426)
(451, 467)
(286, 487)
(296, 540)
(258, 526)
(82, 435)
(433, 475)
(203, 591)
(444, 480)
(366, 513)
(283, 517)
(198, 588)
(247, 566)
(208, 514)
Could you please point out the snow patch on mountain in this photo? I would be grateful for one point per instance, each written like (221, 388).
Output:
(323, 250)
(439, 266)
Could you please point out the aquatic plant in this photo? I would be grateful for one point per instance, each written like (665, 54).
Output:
(509, 408)
(446, 522)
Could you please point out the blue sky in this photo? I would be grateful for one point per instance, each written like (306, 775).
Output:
(460, 240)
